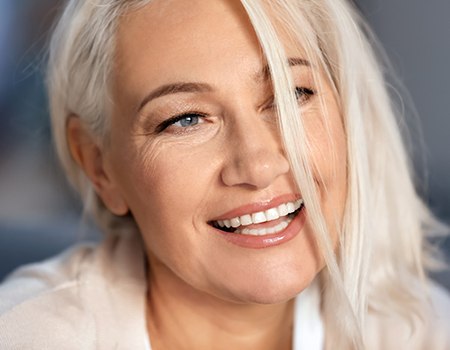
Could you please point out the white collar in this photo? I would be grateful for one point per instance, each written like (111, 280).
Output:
(308, 324)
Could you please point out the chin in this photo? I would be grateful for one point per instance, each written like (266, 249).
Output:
(273, 292)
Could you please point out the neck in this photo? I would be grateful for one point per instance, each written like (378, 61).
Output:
(181, 317)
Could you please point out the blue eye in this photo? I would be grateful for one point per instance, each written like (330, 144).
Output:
(183, 121)
(187, 120)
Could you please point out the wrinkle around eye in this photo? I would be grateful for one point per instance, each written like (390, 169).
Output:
(149, 150)
(148, 154)
(144, 124)
(185, 140)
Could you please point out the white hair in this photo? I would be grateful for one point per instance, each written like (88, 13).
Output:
(81, 56)
(382, 248)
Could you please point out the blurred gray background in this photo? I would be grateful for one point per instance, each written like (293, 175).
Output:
(39, 216)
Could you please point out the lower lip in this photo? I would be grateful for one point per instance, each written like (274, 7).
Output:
(267, 241)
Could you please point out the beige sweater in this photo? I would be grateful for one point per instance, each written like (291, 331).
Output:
(93, 297)
(87, 298)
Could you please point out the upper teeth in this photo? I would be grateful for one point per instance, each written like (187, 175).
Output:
(262, 216)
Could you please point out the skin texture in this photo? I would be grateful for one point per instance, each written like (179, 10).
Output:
(176, 180)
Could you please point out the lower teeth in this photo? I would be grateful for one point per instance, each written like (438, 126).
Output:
(266, 231)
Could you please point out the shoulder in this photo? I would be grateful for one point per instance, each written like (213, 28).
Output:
(439, 316)
(428, 329)
(440, 298)
(41, 296)
(36, 280)
(85, 298)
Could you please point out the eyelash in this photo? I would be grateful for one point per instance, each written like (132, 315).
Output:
(304, 91)
(303, 94)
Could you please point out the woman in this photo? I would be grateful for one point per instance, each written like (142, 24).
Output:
(245, 163)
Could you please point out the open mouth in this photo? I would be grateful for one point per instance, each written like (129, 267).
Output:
(270, 221)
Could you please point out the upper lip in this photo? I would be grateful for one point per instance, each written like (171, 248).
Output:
(258, 206)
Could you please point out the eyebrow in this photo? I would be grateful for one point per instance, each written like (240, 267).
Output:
(264, 74)
(175, 88)
(178, 87)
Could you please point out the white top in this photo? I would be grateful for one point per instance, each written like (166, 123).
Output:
(93, 297)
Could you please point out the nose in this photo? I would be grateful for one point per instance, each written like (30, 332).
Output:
(255, 157)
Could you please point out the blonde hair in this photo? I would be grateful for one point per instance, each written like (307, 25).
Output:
(382, 250)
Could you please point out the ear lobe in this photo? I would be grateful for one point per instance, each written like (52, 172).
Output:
(88, 155)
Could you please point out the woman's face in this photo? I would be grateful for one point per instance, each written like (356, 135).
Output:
(194, 146)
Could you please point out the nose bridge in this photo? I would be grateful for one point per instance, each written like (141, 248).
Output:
(256, 157)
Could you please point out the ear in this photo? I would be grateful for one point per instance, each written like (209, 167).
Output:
(88, 155)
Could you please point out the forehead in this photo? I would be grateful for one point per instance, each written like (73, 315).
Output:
(170, 36)
(208, 41)
(176, 40)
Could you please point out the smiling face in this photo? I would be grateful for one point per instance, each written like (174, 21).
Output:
(194, 148)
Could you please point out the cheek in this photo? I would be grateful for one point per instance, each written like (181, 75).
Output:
(327, 138)
(167, 187)
(164, 197)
